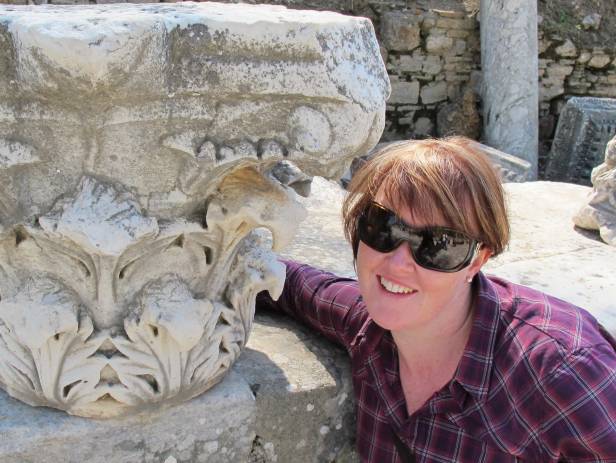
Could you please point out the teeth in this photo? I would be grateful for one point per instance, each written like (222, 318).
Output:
(394, 288)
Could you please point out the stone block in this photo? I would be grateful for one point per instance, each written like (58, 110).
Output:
(456, 77)
(215, 427)
(409, 63)
(584, 128)
(428, 21)
(459, 47)
(423, 127)
(302, 384)
(584, 57)
(458, 34)
(559, 70)
(579, 86)
(400, 30)
(434, 92)
(459, 59)
(432, 65)
(404, 92)
(409, 108)
(599, 61)
(451, 23)
(566, 50)
(438, 43)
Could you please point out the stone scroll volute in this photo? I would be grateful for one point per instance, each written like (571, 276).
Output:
(144, 149)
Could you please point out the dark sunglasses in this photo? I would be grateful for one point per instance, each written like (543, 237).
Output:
(435, 248)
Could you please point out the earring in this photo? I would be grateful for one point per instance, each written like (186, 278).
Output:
(469, 279)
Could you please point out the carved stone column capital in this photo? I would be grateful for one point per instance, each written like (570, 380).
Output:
(144, 149)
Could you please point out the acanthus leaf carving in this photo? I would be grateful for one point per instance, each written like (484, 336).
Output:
(157, 315)
(48, 350)
(101, 219)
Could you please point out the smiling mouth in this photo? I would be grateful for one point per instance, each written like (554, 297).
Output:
(392, 287)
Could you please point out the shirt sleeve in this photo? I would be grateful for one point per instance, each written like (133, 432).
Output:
(330, 304)
(581, 395)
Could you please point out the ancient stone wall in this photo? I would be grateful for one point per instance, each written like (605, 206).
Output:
(432, 52)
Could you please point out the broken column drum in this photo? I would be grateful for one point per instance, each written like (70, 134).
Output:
(142, 150)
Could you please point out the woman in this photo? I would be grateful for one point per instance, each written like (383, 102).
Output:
(450, 364)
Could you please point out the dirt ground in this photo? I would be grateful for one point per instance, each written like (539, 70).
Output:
(564, 18)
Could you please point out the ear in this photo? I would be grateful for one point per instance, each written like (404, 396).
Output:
(480, 259)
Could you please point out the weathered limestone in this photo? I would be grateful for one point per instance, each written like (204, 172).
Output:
(287, 398)
(584, 128)
(509, 51)
(400, 30)
(139, 149)
(304, 395)
(600, 212)
(217, 427)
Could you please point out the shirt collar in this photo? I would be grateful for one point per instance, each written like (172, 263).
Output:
(475, 369)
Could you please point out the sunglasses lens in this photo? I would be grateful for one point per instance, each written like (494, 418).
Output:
(443, 250)
(375, 229)
(435, 248)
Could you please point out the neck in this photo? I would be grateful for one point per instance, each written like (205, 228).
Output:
(441, 341)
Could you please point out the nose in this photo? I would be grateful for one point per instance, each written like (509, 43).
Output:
(401, 257)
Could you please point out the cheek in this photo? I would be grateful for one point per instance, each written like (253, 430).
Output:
(361, 264)
(443, 286)
(366, 263)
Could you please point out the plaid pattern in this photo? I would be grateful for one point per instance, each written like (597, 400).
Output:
(537, 380)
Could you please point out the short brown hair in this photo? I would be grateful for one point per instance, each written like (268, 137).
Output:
(450, 178)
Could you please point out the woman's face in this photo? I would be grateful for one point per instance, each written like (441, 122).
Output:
(401, 296)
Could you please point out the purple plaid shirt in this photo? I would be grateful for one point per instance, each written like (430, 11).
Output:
(537, 380)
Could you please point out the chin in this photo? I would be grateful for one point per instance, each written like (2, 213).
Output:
(390, 321)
